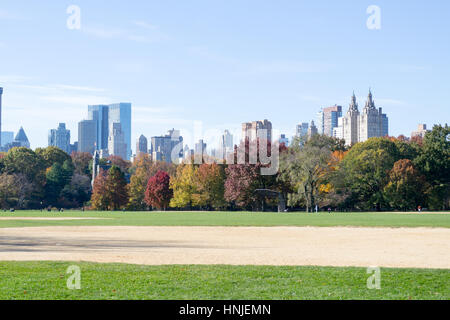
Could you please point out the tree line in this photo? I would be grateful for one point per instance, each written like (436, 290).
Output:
(379, 174)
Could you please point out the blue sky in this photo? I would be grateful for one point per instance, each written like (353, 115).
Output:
(221, 62)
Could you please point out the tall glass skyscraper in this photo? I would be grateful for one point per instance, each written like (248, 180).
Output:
(99, 113)
(121, 113)
(60, 138)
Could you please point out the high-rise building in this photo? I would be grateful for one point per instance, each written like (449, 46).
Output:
(20, 140)
(99, 113)
(301, 130)
(284, 140)
(226, 145)
(200, 148)
(87, 136)
(60, 138)
(7, 137)
(320, 122)
(116, 144)
(162, 146)
(1, 94)
(121, 113)
(359, 127)
(312, 130)
(141, 145)
(253, 130)
(421, 131)
(350, 123)
(371, 121)
(328, 119)
(384, 125)
(338, 132)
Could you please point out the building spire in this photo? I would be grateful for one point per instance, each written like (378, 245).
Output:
(370, 104)
(353, 104)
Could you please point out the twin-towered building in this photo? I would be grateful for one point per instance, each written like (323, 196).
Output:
(354, 126)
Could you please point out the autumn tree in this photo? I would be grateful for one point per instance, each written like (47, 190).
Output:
(122, 164)
(304, 168)
(406, 186)
(116, 187)
(240, 185)
(101, 198)
(209, 186)
(138, 182)
(110, 190)
(158, 192)
(183, 186)
(81, 162)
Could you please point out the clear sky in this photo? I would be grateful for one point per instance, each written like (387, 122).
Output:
(221, 62)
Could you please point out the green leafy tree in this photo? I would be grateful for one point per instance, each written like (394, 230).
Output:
(434, 163)
(52, 155)
(57, 177)
(365, 172)
(25, 161)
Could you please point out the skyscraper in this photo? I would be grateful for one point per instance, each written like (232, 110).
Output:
(226, 145)
(312, 130)
(301, 130)
(200, 148)
(60, 138)
(87, 136)
(320, 122)
(421, 131)
(359, 127)
(350, 123)
(22, 138)
(141, 145)
(253, 130)
(116, 144)
(162, 146)
(121, 113)
(328, 120)
(371, 121)
(99, 113)
(284, 140)
(7, 137)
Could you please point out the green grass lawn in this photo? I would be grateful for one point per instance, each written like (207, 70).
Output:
(47, 280)
(172, 218)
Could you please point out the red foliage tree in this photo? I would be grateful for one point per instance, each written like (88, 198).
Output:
(158, 192)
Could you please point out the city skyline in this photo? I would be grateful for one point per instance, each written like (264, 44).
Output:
(331, 121)
(293, 60)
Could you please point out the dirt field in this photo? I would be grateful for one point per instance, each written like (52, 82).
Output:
(321, 246)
